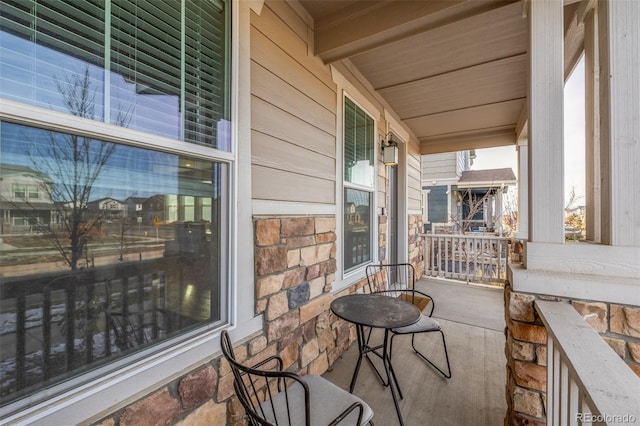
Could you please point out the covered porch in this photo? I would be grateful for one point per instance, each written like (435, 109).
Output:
(472, 318)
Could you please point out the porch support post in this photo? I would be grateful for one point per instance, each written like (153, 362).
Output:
(619, 50)
(546, 85)
(592, 124)
(523, 190)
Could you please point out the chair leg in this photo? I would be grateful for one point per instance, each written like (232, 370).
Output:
(446, 354)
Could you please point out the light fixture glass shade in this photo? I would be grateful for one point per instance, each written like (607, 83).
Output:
(390, 155)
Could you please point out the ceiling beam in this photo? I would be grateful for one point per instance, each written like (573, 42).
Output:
(359, 29)
(474, 140)
(573, 38)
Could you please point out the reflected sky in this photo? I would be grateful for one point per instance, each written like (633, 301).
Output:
(128, 171)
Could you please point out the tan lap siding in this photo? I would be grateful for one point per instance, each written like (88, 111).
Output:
(293, 109)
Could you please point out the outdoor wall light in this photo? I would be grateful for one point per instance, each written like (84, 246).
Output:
(389, 153)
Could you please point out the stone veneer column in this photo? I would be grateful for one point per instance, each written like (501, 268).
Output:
(416, 244)
(295, 267)
(526, 349)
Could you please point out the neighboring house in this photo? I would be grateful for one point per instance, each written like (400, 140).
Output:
(480, 199)
(457, 199)
(261, 122)
(24, 200)
(439, 173)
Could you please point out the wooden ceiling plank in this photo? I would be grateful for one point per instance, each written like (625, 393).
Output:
(503, 137)
(488, 83)
(384, 23)
(468, 119)
(489, 36)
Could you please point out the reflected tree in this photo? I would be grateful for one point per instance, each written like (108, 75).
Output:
(73, 163)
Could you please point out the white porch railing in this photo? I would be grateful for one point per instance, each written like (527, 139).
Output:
(587, 382)
(475, 258)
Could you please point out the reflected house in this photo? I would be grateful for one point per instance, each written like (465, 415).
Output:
(23, 198)
(144, 210)
(108, 208)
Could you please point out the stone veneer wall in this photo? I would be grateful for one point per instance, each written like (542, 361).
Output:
(416, 244)
(295, 267)
(526, 348)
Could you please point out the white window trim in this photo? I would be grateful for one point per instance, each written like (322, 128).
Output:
(346, 89)
(92, 401)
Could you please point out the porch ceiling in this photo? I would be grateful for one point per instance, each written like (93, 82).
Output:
(454, 71)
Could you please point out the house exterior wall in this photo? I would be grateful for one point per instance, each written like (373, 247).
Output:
(295, 165)
(439, 166)
(293, 110)
(438, 206)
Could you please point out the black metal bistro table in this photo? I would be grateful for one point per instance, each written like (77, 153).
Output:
(377, 311)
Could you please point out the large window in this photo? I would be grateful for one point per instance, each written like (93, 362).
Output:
(359, 185)
(110, 249)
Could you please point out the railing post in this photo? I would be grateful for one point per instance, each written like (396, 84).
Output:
(587, 382)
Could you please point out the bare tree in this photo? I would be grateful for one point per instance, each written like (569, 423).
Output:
(474, 203)
(74, 164)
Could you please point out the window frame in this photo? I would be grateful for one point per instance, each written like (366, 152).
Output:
(357, 270)
(91, 396)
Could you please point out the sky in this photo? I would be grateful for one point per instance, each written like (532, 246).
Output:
(574, 137)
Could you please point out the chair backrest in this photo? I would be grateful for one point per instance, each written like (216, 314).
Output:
(391, 277)
(396, 280)
(270, 396)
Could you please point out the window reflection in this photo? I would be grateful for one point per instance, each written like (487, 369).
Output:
(155, 69)
(106, 248)
(357, 227)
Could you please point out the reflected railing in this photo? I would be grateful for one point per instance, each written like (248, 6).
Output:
(471, 258)
(55, 326)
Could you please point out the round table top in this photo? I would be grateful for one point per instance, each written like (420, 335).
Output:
(375, 310)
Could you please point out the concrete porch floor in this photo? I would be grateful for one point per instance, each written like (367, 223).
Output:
(473, 321)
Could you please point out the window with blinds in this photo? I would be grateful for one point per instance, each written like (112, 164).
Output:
(121, 248)
(157, 66)
(359, 185)
(358, 145)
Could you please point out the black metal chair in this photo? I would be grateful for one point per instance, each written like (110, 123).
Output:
(272, 397)
(398, 280)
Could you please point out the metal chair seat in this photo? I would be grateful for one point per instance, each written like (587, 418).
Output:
(327, 401)
(424, 324)
(272, 396)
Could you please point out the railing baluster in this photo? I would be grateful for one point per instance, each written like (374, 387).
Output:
(90, 319)
(70, 291)
(140, 325)
(555, 414)
(574, 405)
(46, 332)
(21, 336)
(564, 393)
(551, 404)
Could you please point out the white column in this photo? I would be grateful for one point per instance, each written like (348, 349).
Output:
(523, 190)
(592, 124)
(619, 50)
(546, 85)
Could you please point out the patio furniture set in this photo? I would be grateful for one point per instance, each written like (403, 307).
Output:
(271, 396)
